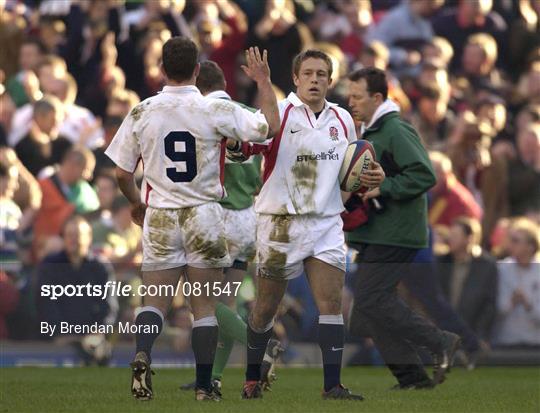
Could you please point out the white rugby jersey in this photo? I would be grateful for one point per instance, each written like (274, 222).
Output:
(179, 136)
(302, 162)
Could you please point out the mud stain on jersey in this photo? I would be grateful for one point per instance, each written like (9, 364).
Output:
(263, 129)
(160, 225)
(274, 265)
(280, 228)
(136, 112)
(305, 179)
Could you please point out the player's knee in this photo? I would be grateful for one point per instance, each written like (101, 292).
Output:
(161, 303)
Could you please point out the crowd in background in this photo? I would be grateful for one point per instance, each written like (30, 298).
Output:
(465, 73)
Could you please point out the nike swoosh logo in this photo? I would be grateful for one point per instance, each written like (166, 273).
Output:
(252, 348)
(337, 349)
(294, 131)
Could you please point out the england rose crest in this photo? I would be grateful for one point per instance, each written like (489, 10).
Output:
(334, 133)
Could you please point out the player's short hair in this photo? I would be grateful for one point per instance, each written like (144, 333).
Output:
(375, 80)
(179, 56)
(210, 78)
(311, 54)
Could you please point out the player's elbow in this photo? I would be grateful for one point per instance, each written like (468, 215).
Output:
(123, 175)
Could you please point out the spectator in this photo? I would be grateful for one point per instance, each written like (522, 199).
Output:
(470, 17)
(42, 146)
(75, 265)
(449, 198)
(478, 66)
(28, 193)
(376, 54)
(344, 23)
(519, 286)
(120, 102)
(20, 85)
(12, 26)
(528, 88)
(51, 70)
(106, 188)
(79, 124)
(405, 29)
(10, 220)
(284, 37)
(524, 36)
(7, 110)
(359, 18)
(485, 176)
(433, 119)
(527, 116)
(118, 238)
(111, 124)
(524, 173)
(52, 32)
(438, 48)
(469, 277)
(65, 192)
(9, 298)
(222, 40)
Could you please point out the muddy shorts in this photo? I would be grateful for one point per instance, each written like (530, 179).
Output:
(240, 227)
(192, 236)
(285, 241)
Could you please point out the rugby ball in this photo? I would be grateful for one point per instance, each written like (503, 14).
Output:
(357, 160)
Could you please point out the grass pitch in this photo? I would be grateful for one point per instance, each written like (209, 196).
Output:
(487, 389)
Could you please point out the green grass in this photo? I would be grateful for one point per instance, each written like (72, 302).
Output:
(296, 390)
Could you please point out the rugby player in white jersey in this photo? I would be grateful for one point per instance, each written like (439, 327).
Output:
(178, 136)
(299, 227)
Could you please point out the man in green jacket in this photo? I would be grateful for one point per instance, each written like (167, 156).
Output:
(389, 241)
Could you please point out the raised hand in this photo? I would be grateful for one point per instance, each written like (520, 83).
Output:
(257, 67)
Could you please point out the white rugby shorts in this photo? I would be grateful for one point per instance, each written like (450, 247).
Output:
(240, 229)
(285, 241)
(193, 236)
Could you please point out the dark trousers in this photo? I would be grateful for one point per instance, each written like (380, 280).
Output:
(379, 313)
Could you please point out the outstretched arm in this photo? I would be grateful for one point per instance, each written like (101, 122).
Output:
(257, 69)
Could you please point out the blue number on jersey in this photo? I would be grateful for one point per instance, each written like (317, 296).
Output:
(188, 155)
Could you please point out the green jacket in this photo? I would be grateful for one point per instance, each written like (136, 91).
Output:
(409, 175)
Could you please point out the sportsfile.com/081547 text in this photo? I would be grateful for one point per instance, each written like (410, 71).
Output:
(121, 289)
